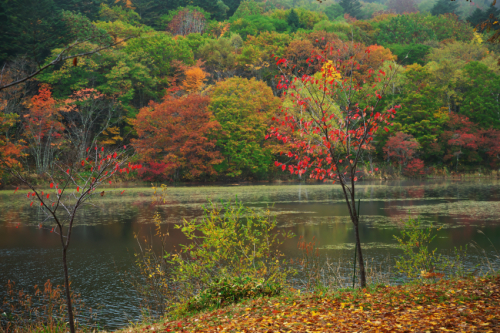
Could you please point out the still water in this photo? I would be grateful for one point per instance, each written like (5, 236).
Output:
(103, 242)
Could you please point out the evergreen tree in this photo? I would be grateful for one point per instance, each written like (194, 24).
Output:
(89, 8)
(31, 28)
(351, 7)
(479, 16)
(444, 7)
(232, 5)
(293, 20)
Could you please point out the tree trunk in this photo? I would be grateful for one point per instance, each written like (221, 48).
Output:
(68, 293)
(362, 274)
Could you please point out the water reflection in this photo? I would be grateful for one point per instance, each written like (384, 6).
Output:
(103, 244)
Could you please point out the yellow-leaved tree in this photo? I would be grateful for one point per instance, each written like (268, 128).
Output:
(195, 79)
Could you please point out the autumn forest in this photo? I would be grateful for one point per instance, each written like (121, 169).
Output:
(195, 87)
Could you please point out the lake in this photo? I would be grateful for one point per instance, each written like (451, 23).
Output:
(103, 242)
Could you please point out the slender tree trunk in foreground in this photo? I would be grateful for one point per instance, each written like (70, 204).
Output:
(68, 292)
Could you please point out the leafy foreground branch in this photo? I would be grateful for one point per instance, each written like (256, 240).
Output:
(457, 305)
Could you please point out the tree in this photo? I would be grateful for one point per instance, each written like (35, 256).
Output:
(72, 184)
(461, 139)
(414, 168)
(334, 11)
(293, 21)
(334, 126)
(220, 56)
(87, 114)
(351, 7)
(187, 22)
(405, 29)
(481, 102)
(402, 6)
(82, 33)
(43, 130)
(444, 7)
(245, 9)
(31, 28)
(195, 79)
(243, 108)
(10, 152)
(180, 131)
(410, 54)
(402, 147)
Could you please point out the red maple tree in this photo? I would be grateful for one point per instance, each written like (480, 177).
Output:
(180, 132)
(402, 147)
(329, 123)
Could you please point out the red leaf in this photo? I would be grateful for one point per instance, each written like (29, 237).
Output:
(51, 185)
(67, 171)
(386, 129)
(283, 167)
(78, 188)
(31, 204)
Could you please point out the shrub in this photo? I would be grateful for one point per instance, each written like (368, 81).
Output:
(230, 290)
(155, 172)
(414, 168)
(230, 245)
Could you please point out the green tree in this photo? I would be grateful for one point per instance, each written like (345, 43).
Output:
(246, 8)
(334, 11)
(243, 108)
(420, 114)
(293, 21)
(30, 28)
(351, 7)
(410, 54)
(444, 7)
(220, 56)
(481, 99)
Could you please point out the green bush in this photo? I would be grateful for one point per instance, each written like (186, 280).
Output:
(231, 290)
(230, 243)
(410, 54)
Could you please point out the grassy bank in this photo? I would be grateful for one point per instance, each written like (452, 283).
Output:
(457, 305)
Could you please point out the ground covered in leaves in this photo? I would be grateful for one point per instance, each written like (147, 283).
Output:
(469, 305)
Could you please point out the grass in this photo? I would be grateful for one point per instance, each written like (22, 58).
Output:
(456, 305)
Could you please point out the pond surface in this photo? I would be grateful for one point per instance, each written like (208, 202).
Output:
(103, 243)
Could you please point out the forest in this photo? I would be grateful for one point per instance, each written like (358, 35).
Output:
(194, 87)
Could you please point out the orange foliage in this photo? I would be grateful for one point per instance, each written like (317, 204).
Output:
(371, 60)
(9, 151)
(297, 53)
(42, 120)
(180, 132)
(195, 77)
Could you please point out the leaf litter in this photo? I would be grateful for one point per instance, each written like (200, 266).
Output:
(464, 305)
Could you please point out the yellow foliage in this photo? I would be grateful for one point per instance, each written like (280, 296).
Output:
(442, 113)
(128, 3)
(330, 71)
(477, 39)
(112, 136)
(195, 79)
